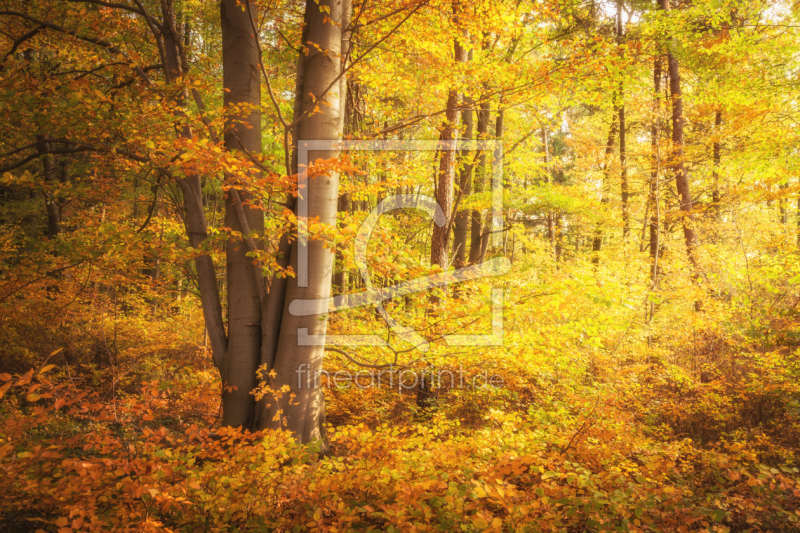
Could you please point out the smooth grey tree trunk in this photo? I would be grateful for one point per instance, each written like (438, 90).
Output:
(296, 365)
(242, 83)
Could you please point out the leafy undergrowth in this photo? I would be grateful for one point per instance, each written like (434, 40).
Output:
(640, 447)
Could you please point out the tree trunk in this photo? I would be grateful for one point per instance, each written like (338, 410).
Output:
(716, 196)
(461, 226)
(49, 172)
(297, 366)
(242, 83)
(623, 154)
(597, 241)
(476, 225)
(677, 161)
(340, 274)
(549, 217)
(655, 208)
(440, 239)
(486, 235)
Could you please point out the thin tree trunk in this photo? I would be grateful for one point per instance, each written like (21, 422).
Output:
(655, 208)
(440, 239)
(206, 272)
(297, 365)
(623, 154)
(597, 241)
(476, 222)
(196, 226)
(499, 129)
(49, 172)
(549, 217)
(242, 82)
(716, 196)
(340, 274)
(461, 226)
(677, 161)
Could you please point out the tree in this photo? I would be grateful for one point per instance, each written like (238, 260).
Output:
(297, 365)
(242, 93)
(677, 157)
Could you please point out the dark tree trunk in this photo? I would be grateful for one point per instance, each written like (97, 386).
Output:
(480, 174)
(49, 172)
(461, 225)
(655, 207)
(623, 154)
(716, 196)
(677, 161)
(486, 235)
(597, 241)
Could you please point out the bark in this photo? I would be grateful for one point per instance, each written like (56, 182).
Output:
(462, 221)
(297, 366)
(242, 83)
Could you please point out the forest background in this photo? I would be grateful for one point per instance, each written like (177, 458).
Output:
(647, 339)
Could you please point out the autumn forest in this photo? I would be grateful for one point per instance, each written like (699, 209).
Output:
(399, 265)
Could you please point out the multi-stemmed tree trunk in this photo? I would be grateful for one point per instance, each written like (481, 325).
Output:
(296, 364)
(242, 82)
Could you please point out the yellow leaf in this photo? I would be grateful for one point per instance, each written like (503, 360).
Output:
(47, 369)
(480, 523)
